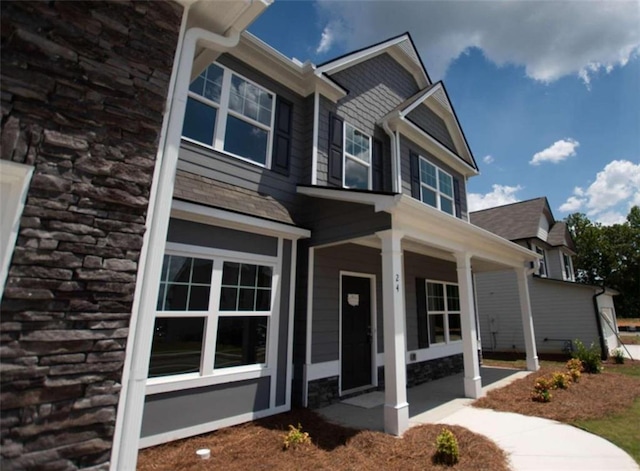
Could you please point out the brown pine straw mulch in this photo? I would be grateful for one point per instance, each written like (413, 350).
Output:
(593, 397)
(259, 446)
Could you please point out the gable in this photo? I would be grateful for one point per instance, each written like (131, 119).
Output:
(425, 118)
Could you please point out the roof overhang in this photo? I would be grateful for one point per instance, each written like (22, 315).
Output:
(424, 225)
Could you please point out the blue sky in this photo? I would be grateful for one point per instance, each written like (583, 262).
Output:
(548, 93)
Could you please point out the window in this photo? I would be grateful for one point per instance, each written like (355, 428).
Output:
(567, 266)
(231, 114)
(211, 314)
(357, 158)
(436, 187)
(443, 312)
(542, 271)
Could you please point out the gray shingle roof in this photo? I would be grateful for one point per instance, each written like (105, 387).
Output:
(513, 221)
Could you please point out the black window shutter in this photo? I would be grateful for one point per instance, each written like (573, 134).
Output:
(376, 164)
(456, 195)
(282, 137)
(421, 303)
(415, 174)
(335, 150)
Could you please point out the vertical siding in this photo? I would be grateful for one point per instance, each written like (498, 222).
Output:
(225, 168)
(405, 146)
(375, 86)
(421, 266)
(433, 124)
(326, 297)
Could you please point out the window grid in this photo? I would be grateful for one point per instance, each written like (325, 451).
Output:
(436, 187)
(357, 154)
(443, 302)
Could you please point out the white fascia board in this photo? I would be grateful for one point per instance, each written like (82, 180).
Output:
(319, 82)
(205, 214)
(356, 57)
(380, 202)
(419, 100)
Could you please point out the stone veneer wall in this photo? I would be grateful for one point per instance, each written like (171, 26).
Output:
(83, 91)
(425, 371)
(323, 392)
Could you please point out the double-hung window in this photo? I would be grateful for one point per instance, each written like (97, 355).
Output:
(542, 270)
(567, 267)
(357, 158)
(213, 313)
(436, 187)
(230, 114)
(443, 311)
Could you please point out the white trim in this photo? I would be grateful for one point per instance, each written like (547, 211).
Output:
(14, 179)
(346, 155)
(433, 352)
(213, 216)
(194, 380)
(543, 260)
(290, 327)
(381, 202)
(314, 151)
(274, 325)
(445, 313)
(209, 426)
(325, 369)
(438, 193)
(419, 100)
(309, 326)
(374, 344)
(176, 248)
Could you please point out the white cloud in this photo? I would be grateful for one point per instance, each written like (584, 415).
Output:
(549, 39)
(488, 159)
(615, 189)
(500, 195)
(326, 40)
(556, 152)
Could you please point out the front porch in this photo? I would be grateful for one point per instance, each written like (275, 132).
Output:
(428, 402)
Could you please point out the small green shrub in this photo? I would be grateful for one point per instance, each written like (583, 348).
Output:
(618, 356)
(295, 437)
(447, 451)
(590, 357)
(542, 390)
(560, 380)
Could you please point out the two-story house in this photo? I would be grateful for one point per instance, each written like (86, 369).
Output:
(563, 310)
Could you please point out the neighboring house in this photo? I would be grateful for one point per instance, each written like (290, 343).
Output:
(283, 233)
(563, 310)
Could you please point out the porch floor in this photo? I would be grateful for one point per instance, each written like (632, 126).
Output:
(428, 402)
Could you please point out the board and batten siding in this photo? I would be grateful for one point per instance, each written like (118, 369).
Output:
(376, 86)
(406, 146)
(219, 166)
(421, 266)
(426, 119)
(326, 295)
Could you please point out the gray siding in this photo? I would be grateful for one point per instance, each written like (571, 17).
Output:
(228, 169)
(561, 311)
(334, 221)
(433, 124)
(405, 146)
(283, 328)
(421, 266)
(193, 233)
(326, 295)
(375, 86)
(187, 408)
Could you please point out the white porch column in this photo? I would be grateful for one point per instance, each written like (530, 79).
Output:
(527, 319)
(396, 407)
(472, 380)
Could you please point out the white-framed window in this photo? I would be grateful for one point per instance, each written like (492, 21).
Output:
(436, 187)
(542, 270)
(443, 312)
(230, 114)
(357, 158)
(567, 267)
(213, 315)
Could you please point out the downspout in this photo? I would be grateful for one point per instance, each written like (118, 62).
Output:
(132, 396)
(603, 344)
(394, 157)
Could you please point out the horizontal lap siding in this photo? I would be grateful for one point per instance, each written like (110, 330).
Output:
(326, 298)
(433, 124)
(421, 266)
(228, 169)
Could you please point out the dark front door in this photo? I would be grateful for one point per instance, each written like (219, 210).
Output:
(356, 332)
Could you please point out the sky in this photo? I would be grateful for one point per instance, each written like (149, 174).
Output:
(547, 92)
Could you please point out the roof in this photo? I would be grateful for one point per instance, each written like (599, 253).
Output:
(202, 190)
(521, 220)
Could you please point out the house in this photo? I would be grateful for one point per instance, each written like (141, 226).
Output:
(563, 310)
(204, 232)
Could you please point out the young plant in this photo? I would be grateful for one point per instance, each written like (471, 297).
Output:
(542, 390)
(295, 437)
(618, 356)
(560, 380)
(574, 368)
(447, 451)
(590, 357)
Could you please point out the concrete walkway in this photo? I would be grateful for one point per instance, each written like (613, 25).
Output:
(532, 443)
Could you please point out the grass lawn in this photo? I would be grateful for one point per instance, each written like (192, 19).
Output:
(630, 339)
(628, 321)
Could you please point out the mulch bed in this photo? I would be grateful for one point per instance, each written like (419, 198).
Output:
(594, 396)
(259, 446)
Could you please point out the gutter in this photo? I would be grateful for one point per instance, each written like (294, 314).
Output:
(603, 344)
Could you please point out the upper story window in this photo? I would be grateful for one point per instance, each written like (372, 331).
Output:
(436, 187)
(357, 158)
(567, 267)
(231, 114)
(542, 270)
